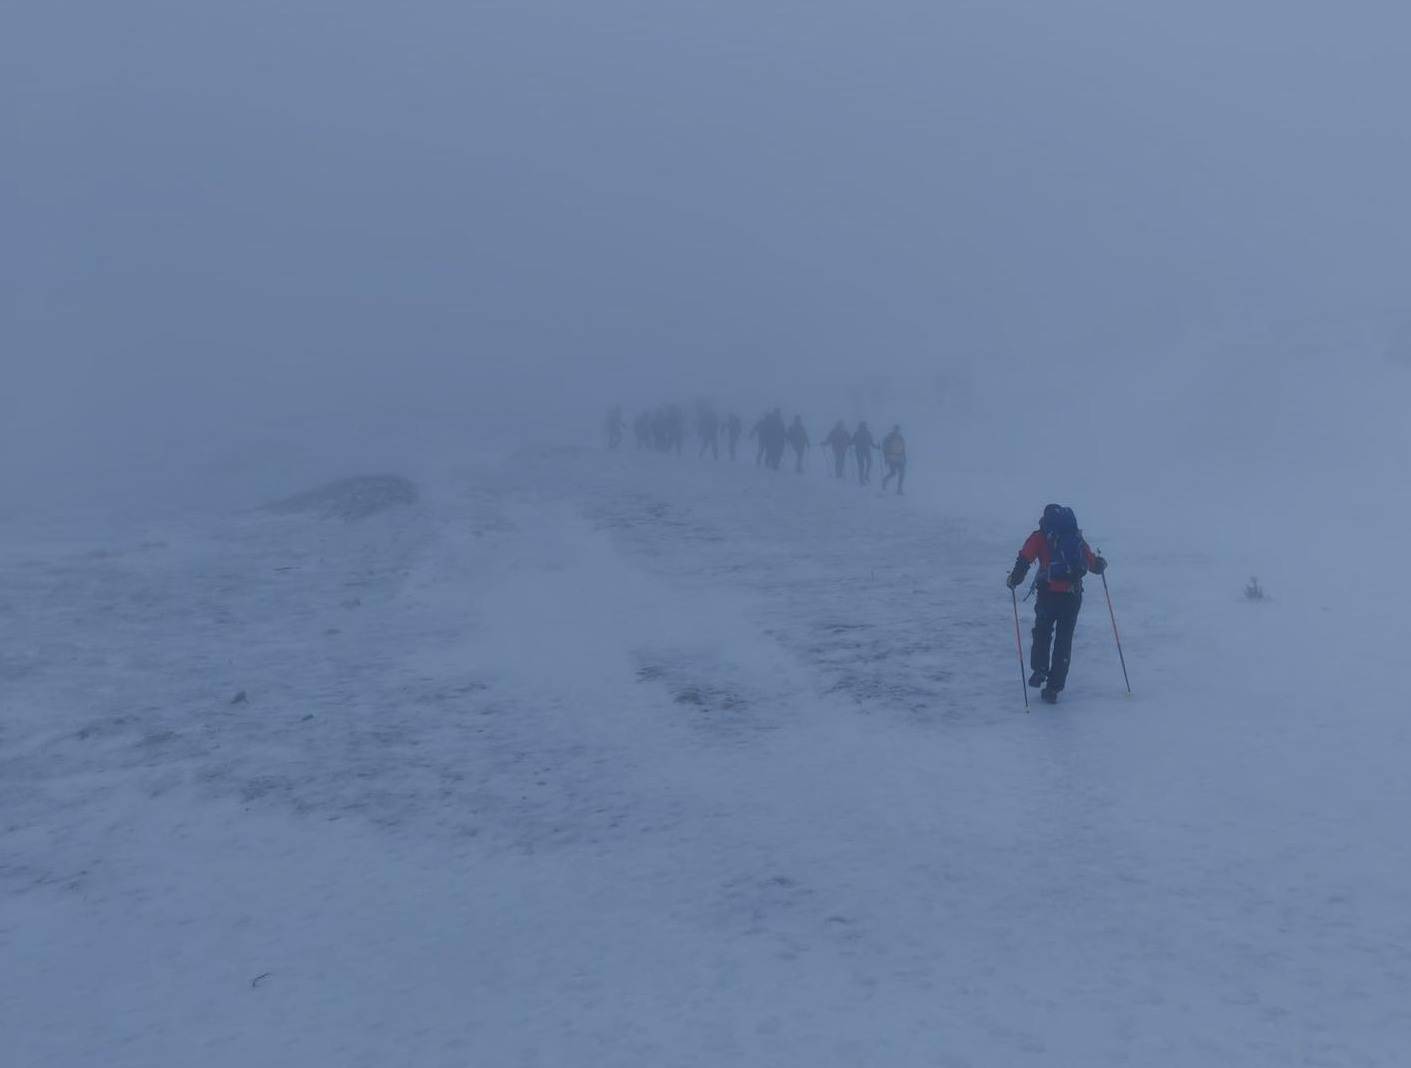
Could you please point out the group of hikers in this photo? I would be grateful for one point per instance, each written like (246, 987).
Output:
(664, 429)
(1058, 548)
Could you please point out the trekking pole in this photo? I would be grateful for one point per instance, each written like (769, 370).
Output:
(1113, 614)
(1019, 645)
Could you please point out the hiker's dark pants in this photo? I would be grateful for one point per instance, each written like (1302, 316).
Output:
(840, 459)
(1055, 617)
(895, 469)
(864, 465)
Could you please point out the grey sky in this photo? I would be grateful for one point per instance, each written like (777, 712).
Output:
(213, 199)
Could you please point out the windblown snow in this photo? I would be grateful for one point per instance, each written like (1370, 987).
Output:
(588, 759)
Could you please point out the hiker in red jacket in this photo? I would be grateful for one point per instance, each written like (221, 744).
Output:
(1063, 558)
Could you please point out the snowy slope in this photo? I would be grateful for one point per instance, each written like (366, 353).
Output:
(628, 760)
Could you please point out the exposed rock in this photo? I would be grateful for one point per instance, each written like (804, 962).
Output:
(352, 498)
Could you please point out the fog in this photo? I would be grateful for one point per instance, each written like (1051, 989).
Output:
(217, 216)
(360, 704)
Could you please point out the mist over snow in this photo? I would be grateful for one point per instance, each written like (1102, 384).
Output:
(359, 705)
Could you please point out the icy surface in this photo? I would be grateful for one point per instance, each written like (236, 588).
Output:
(592, 760)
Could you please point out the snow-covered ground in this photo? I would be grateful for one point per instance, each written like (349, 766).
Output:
(589, 759)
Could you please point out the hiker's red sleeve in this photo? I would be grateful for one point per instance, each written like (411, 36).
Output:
(1030, 551)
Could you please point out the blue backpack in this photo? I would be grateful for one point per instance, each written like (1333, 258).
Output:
(1067, 561)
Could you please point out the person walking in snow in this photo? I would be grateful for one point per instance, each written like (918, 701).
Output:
(773, 436)
(798, 438)
(839, 440)
(708, 429)
(734, 426)
(1064, 558)
(863, 443)
(757, 435)
(894, 453)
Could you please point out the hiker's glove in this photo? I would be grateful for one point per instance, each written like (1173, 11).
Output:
(1099, 565)
(1015, 578)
